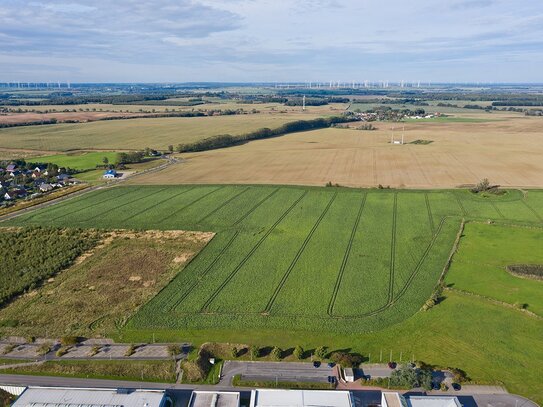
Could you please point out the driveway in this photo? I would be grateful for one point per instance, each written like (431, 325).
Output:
(276, 371)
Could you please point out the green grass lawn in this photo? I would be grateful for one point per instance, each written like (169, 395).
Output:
(485, 251)
(78, 161)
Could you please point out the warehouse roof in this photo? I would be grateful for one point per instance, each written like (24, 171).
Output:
(81, 397)
(433, 401)
(300, 398)
(214, 399)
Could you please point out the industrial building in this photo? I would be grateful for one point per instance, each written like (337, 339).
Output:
(96, 397)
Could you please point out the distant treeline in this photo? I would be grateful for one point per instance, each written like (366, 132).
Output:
(517, 102)
(31, 123)
(227, 140)
(82, 100)
(133, 115)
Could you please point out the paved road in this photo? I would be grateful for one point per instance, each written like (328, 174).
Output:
(280, 371)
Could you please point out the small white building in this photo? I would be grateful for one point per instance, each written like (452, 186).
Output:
(349, 374)
(76, 397)
(300, 398)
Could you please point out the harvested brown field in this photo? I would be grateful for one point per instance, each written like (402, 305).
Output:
(105, 286)
(17, 118)
(139, 133)
(505, 148)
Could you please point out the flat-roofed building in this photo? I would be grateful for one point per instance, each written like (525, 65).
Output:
(393, 399)
(214, 399)
(95, 397)
(300, 398)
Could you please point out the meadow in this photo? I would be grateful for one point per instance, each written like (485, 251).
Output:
(482, 258)
(506, 151)
(80, 161)
(132, 134)
(350, 259)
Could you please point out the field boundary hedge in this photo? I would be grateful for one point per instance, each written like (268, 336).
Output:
(227, 140)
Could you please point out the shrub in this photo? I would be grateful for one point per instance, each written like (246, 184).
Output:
(321, 352)
(130, 350)
(409, 377)
(95, 350)
(44, 349)
(174, 349)
(276, 353)
(298, 352)
(234, 352)
(8, 349)
(62, 351)
(345, 359)
(69, 340)
(254, 351)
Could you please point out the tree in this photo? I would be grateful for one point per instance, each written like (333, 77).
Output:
(345, 359)
(255, 352)
(234, 352)
(275, 353)
(298, 352)
(105, 160)
(409, 377)
(170, 148)
(321, 352)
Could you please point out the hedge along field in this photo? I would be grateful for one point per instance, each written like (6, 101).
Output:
(306, 258)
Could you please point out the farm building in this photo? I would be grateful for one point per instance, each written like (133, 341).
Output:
(72, 397)
(392, 399)
(214, 399)
(110, 174)
(300, 398)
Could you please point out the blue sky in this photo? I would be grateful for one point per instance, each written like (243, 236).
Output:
(271, 40)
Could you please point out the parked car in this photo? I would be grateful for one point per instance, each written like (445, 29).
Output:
(331, 364)
(392, 365)
(456, 386)
(436, 386)
(316, 363)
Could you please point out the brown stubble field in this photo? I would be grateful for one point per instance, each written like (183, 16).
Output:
(506, 149)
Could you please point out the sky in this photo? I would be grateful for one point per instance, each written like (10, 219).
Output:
(271, 40)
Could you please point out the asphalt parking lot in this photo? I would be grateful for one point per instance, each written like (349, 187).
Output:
(276, 371)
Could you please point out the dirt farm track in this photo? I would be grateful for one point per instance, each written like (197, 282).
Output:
(506, 149)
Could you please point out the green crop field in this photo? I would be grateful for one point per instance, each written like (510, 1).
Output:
(137, 133)
(324, 258)
(345, 268)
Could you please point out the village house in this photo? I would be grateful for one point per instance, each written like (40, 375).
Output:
(14, 194)
(45, 187)
(110, 174)
(11, 167)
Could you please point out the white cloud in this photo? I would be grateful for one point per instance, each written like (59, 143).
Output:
(273, 39)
